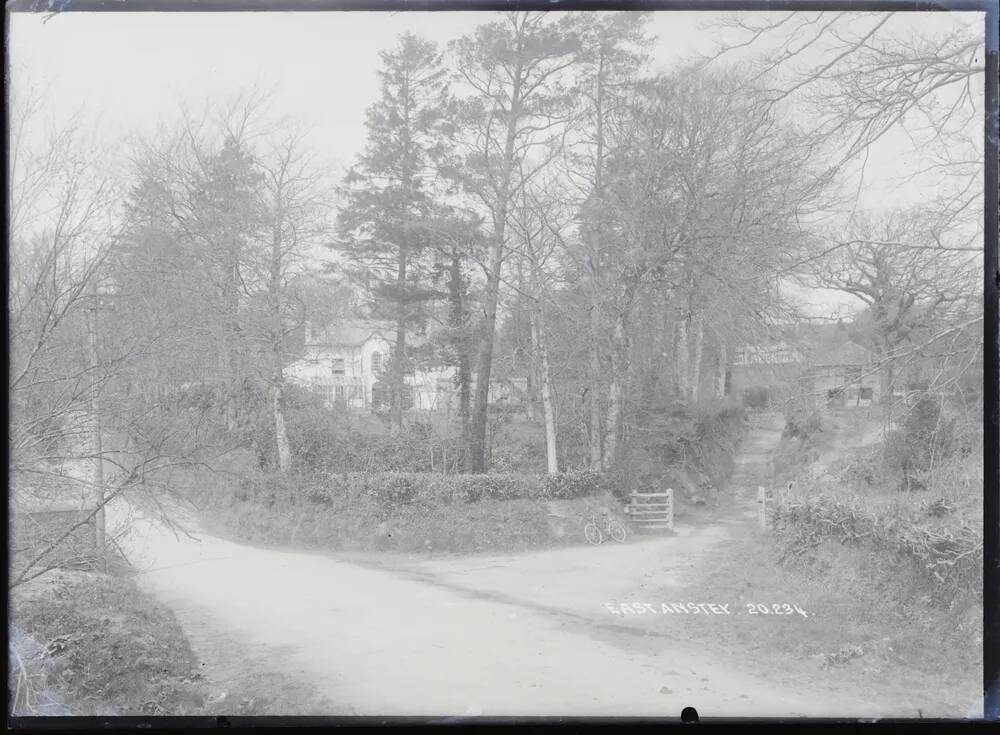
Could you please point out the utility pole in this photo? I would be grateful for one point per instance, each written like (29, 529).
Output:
(100, 542)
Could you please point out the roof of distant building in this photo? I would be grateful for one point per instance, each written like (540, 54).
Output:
(350, 332)
(813, 344)
(839, 353)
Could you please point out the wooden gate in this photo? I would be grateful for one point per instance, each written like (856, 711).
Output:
(651, 511)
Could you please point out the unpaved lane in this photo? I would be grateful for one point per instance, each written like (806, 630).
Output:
(580, 580)
(383, 642)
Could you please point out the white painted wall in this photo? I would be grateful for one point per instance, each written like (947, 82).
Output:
(432, 389)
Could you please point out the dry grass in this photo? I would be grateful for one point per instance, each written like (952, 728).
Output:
(105, 647)
(871, 622)
(88, 644)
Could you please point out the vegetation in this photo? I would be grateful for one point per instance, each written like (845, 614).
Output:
(873, 619)
(537, 203)
(534, 201)
(105, 647)
(408, 511)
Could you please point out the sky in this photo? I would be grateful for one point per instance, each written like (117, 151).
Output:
(131, 71)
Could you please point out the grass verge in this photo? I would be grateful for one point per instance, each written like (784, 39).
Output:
(872, 621)
(429, 523)
(87, 644)
(102, 647)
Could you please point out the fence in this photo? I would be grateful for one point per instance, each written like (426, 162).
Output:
(765, 507)
(651, 511)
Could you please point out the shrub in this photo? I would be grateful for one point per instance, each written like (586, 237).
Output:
(756, 397)
(949, 557)
(111, 648)
(925, 437)
(399, 511)
(698, 440)
(572, 484)
(802, 423)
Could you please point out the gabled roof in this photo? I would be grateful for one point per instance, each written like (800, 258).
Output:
(838, 353)
(350, 333)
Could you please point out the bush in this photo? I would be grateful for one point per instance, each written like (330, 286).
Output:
(109, 646)
(386, 488)
(399, 511)
(572, 484)
(698, 441)
(925, 437)
(802, 423)
(757, 397)
(950, 558)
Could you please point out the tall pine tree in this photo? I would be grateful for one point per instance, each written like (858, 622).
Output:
(388, 194)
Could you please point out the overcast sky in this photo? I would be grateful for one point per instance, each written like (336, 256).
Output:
(134, 67)
(133, 70)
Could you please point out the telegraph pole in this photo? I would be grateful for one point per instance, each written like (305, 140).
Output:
(95, 422)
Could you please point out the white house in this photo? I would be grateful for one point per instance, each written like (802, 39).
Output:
(344, 362)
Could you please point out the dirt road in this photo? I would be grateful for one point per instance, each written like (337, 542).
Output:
(527, 634)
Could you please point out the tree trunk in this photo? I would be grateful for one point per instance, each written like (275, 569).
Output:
(720, 374)
(231, 332)
(399, 358)
(100, 542)
(280, 430)
(619, 367)
(538, 337)
(594, 391)
(596, 434)
(696, 358)
(531, 388)
(484, 366)
(887, 380)
(459, 345)
(277, 349)
(681, 358)
(477, 437)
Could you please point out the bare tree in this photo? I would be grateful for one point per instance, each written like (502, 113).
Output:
(297, 213)
(514, 115)
(907, 284)
(865, 75)
(61, 229)
(539, 221)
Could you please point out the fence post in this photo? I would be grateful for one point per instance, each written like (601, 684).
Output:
(670, 509)
(764, 501)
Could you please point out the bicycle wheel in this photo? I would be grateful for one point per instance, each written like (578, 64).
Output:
(616, 529)
(593, 534)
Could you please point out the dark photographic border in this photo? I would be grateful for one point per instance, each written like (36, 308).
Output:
(991, 285)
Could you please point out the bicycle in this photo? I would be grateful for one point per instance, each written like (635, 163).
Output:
(595, 531)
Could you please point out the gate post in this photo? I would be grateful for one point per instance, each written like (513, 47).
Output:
(670, 509)
(764, 501)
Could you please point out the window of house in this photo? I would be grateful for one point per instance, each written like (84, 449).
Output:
(324, 390)
(337, 365)
(376, 362)
(853, 373)
(866, 394)
(340, 392)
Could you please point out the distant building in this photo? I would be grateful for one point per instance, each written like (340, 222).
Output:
(844, 374)
(346, 364)
(817, 363)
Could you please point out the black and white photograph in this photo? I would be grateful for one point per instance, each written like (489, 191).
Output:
(460, 365)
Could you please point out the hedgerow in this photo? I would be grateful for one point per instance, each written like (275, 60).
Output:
(405, 511)
(950, 557)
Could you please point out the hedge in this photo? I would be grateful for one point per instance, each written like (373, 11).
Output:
(400, 488)
(952, 557)
(406, 511)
